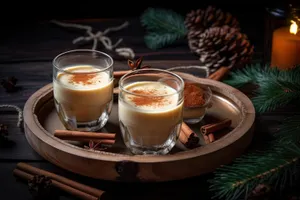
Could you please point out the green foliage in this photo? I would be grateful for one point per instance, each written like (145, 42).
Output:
(163, 27)
(276, 88)
(276, 165)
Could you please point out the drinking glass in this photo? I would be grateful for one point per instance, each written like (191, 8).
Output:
(83, 88)
(150, 110)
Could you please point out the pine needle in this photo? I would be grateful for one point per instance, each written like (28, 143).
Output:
(276, 88)
(163, 27)
(275, 93)
(156, 41)
(276, 165)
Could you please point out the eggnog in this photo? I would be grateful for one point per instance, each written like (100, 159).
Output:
(82, 92)
(150, 113)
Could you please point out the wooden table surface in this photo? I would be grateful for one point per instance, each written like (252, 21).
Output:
(27, 55)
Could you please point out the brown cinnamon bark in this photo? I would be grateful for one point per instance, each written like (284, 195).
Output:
(80, 135)
(119, 74)
(82, 191)
(211, 128)
(209, 138)
(116, 90)
(187, 137)
(219, 74)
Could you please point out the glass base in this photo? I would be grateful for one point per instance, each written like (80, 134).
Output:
(139, 149)
(193, 120)
(95, 125)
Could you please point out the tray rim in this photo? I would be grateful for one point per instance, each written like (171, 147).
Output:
(244, 126)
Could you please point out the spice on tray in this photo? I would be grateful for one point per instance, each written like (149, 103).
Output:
(96, 146)
(101, 138)
(213, 127)
(188, 137)
(209, 138)
(193, 95)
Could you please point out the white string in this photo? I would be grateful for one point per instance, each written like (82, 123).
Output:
(100, 37)
(19, 110)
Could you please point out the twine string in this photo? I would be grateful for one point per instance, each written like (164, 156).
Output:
(19, 110)
(100, 36)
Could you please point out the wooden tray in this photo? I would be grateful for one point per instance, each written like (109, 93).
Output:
(117, 164)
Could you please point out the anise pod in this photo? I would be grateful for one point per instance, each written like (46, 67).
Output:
(134, 65)
(10, 84)
(40, 187)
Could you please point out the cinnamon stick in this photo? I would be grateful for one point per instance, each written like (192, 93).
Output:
(36, 171)
(219, 74)
(77, 193)
(116, 90)
(188, 137)
(209, 138)
(119, 74)
(83, 136)
(213, 127)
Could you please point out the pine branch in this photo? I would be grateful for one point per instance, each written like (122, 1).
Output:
(275, 165)
(163, 27)
(275, 93)
(250, 74)
(156, 41)
(276, 88)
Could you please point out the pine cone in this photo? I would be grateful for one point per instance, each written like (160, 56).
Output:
(210, 17)
(197, 21)
(223, 46)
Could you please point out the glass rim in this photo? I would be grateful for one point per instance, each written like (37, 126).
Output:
(181, 67)
(84, 51)
(154, 70)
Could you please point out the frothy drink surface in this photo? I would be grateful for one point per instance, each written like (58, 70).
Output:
(83, 78)
(81, 93)
(151, 96)
(151, 117)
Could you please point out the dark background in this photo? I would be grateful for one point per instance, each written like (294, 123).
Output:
(27, 45)
(41, 10)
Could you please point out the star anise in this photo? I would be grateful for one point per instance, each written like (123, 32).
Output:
(40, 187)
(134, 65)
(94, 146)
(3, 132)
(10, 84)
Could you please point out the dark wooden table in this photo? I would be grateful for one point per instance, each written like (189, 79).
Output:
(27, 55)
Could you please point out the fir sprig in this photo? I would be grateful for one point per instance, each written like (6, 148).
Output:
(275, 93)
(163, 27)
(276, 88)
(274, 165)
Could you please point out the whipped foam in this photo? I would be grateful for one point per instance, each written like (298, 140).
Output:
(151, 95)
(81, 77)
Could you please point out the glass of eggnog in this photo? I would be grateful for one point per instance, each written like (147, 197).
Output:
(83, 88)
(150, 110)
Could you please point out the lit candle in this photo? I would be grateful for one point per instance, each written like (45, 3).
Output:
(286, 47)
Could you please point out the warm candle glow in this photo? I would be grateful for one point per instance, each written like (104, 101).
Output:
(293, 27)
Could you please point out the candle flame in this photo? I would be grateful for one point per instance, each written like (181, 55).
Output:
(293, 27)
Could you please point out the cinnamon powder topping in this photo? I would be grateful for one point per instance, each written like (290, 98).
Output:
(193, 95)
(85, 79)
(147, 100)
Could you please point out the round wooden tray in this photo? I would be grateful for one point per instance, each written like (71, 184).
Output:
(117, 164)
